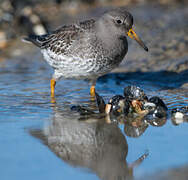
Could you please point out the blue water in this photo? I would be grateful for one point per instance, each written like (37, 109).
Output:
(25, 106)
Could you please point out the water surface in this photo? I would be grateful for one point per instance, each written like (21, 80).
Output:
(79, 149)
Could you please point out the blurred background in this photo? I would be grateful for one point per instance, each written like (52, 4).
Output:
(161, 23)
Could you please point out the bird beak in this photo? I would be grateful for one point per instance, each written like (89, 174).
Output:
(133, 35)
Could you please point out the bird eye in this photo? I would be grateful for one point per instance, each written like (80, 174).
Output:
(118, 21)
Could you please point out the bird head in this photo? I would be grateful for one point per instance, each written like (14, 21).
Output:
(121, 21)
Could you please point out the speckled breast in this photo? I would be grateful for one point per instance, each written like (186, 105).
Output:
(84, 60)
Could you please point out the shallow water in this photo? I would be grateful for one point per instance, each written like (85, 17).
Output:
(87, 150)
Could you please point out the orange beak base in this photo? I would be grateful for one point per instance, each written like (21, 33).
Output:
(134, 36)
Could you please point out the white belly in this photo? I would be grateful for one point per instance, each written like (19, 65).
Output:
(75, 67)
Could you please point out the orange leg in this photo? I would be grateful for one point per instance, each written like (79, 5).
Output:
(52, 84)
(92, 90)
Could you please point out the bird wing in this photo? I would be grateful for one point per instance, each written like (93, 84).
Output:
(60, 40)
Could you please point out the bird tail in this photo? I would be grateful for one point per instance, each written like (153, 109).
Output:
(36, 40)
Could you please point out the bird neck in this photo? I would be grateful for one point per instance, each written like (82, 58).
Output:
(104, 31)
(107, 34)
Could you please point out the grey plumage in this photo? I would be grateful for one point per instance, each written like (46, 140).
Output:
(88, 49)
(63, 34)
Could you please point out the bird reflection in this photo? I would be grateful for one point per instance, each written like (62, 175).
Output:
(92, 143)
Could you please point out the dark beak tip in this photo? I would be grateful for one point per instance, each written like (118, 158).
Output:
(146, 49)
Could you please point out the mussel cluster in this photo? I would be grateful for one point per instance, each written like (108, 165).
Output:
(134, 107)
(136, 110)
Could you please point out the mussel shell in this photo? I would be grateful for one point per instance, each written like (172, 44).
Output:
(149, 106)
(134, 92)
(119, 105)
(100, 103)
(115, 99)
(159, 112)
(158, 102)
